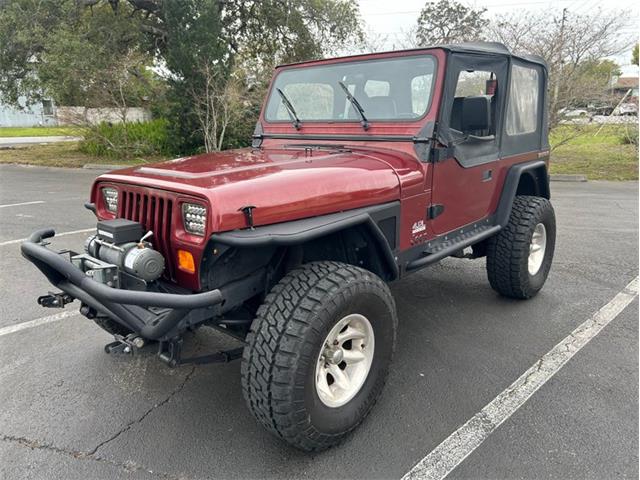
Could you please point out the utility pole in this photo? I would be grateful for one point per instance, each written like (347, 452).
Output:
(559, 62)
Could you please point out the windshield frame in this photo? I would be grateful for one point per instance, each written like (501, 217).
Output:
(349, 60)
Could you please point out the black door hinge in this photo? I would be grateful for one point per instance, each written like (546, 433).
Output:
(440, 153)
(434, 210)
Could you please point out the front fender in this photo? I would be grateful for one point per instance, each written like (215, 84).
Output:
(298, 232)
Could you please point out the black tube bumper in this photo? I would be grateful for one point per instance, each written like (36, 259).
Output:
(127, 307)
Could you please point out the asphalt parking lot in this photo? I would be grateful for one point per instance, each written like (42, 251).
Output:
(71, 411)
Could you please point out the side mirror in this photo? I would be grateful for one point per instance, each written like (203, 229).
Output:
(476, 113)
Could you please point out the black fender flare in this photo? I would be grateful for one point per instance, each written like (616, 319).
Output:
(538, 170)
(297, 232)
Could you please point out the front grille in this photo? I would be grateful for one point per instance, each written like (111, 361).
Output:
(154, 211)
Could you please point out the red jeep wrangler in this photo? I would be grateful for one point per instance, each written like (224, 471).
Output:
(362, 170)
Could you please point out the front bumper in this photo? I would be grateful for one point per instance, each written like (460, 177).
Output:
(152, 315)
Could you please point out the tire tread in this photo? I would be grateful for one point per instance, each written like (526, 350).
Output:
(276, 345)
(506, 250)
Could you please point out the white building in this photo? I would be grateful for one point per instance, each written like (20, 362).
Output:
(38, 114)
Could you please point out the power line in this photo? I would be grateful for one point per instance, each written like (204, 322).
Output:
(510, 4)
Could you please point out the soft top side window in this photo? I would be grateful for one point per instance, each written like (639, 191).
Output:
(472, 107)
(523, 102)
(474, 104)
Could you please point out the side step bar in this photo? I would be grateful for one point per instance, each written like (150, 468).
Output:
(455, 244)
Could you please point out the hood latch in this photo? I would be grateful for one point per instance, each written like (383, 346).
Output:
(248, 214)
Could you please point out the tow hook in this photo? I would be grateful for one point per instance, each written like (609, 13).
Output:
(127, 345)
(55, 300)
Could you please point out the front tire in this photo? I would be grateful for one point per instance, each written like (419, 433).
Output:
(318, 353)
(519, 257)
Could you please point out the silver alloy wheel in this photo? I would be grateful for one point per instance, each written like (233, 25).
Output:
(537, 248)
(344, 360)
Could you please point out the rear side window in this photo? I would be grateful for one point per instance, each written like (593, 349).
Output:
(473, 83)
(524, 96)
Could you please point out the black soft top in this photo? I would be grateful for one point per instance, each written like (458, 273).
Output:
(487, 48)
(493, 48)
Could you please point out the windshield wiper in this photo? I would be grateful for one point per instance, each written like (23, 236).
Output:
(290, 110)
(356, 105)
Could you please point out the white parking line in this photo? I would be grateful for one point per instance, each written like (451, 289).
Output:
(37, 322)
(73, 232)
(461, 443)
(20, 204)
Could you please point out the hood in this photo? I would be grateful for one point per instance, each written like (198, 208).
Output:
(282, 184)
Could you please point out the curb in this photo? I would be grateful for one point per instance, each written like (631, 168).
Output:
(102, 166)
(562, 177)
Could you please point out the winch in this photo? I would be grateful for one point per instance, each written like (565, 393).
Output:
(123, 243)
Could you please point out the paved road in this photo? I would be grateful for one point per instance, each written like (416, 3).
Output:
(70, 411)
(22, 141)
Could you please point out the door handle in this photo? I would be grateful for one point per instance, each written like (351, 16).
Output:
(487, 175)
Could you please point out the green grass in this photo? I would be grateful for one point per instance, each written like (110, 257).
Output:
(604, 156)
(38, 131)
(64, 154)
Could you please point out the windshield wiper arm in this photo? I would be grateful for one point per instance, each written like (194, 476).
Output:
(356, 105)
(290, 110)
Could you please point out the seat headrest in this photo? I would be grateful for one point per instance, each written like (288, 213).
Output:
(380, 107)
(476, 113)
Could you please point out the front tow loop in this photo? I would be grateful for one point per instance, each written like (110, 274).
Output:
(127, 345)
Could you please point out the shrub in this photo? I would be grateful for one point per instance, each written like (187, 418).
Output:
(630, 135)
(126, 140)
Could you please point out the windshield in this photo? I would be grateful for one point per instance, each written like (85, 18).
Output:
(388, 89)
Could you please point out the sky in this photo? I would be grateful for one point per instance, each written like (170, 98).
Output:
(391, 18)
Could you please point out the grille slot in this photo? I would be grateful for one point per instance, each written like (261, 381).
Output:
(155, 213)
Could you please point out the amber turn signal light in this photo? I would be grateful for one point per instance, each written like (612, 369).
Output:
(186, 262)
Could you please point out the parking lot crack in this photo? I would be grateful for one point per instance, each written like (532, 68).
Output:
(92, 455)
(141, 418)
(129, 467)
(36, 445)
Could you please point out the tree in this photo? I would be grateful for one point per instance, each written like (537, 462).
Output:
(373, 42)
(634, 55)
(592, 82)
(217, 105)
(237, 42)
(573, 47)
(448, 21)
(407, 38)
(78, 57)
(67, 48)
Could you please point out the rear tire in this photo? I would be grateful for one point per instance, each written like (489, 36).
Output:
(287, 363)
(519, 257)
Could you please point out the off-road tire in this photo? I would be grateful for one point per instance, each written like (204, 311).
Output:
(111, 327)
(284, 342)
(508, 251)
